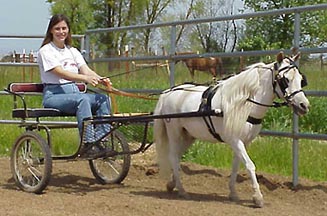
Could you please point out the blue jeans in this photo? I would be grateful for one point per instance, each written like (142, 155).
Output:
(68, 99)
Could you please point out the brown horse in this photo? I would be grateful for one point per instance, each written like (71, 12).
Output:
(211, 64)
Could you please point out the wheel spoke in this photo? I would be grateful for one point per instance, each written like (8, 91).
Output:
(33, 174)
(24, 151)
(112, 166)
(34, 171)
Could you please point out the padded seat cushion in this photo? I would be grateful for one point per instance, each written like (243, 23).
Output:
(37, 112)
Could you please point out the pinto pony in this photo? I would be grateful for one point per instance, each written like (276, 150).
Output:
(213, 65)
(241, 100)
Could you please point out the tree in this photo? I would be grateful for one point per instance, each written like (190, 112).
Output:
(207, 37)
(153, 11)
(114, 13)
(277, 32)
(85, 14)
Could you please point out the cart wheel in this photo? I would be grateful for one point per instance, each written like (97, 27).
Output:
(31, 162)
(112, 170)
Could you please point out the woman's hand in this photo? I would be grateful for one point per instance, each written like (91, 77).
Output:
(93, 80)
(105, 81)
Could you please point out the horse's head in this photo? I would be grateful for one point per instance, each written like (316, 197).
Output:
(289, 82)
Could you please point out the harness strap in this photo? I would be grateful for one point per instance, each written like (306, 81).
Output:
(275, 104)
(294, 93)
(254, 121)
(207, 97)
(212, 129)
(205, 106)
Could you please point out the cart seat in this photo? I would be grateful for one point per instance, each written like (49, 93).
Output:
(22, 89)
(37, 112)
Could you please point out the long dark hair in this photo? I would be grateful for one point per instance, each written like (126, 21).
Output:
(53, 21)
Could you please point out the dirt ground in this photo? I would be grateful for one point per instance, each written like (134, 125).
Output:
(74, 191)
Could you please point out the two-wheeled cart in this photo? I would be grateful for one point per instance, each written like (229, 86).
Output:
(31, 156)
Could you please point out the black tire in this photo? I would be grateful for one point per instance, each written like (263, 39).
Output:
(112, 170)
(31, 162)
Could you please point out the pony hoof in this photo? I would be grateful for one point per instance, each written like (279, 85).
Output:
(233, 197)
(170, 186)
(184, 195)
(258, 202)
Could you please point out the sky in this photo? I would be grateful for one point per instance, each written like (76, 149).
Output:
(22, 17)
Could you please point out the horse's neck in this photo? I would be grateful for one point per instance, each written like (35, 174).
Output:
(265, 95)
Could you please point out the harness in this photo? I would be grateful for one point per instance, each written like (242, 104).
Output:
(206, 106)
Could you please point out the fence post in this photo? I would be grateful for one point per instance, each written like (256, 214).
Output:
(172, 53)
(295, 130)
(127, 62)
(31, 60)
(87, 42)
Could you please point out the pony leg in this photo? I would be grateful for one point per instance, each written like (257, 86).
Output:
(213, 73)
(192, 73)
(176, 181)
(171, 185)
(233, 194)
(240, 151)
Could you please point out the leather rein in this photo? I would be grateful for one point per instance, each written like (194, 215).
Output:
(110, 89)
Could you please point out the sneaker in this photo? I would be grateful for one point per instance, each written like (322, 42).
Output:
(97, 151)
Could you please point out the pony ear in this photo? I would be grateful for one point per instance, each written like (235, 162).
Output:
(280, 57)
(297, 56)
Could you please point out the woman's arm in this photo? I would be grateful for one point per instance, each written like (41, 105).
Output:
(84, 69)
(87, 76)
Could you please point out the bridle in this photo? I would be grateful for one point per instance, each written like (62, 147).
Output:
(280, 80)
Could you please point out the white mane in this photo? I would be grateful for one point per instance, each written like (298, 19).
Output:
(256, 65)
(234, 93)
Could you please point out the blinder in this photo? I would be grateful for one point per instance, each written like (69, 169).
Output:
(304, 81)
(283, 81)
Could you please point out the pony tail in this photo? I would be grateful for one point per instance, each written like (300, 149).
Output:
(236, 90)
(161, 141)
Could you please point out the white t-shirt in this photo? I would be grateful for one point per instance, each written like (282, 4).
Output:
(50, 56)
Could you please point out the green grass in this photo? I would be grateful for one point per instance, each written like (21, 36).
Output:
(270, 154)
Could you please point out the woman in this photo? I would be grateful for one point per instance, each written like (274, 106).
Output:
(60, 67)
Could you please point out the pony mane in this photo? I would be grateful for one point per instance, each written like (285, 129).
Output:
(260, 64)
(234, 94)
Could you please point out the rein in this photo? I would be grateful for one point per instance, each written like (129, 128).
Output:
(275, 104)
(112, 97)
(110, 89)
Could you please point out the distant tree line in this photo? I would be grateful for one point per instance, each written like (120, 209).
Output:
(261, 33)
(253, 34)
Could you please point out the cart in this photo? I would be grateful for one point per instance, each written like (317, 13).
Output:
(31, 157)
